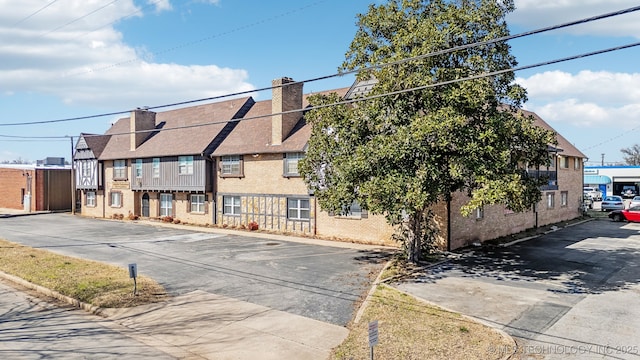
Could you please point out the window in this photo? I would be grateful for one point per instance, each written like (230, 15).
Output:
(120, 169)
(197, 203)
(231, 165)
(185, 165)
(291, 163)
(564, 199)
(166, 205)
(576, 163)
(354, 211)
(550, 200)
(156, 167)
(480, 213)
(91, 198)
(138, 168)
(564, 162)
(552, 161)
(86, 169)
(298, 209)
(231, 205)
(115, 199)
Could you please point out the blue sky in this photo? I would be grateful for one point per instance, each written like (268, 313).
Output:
(68, 58)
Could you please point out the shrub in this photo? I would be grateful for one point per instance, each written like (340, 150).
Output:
(167, 219)
(253, 226)
(132, 216)
(176, 221)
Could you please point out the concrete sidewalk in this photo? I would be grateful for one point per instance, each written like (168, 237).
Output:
(200, 325)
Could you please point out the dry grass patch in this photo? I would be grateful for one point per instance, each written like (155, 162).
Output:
(91, 282)
(410, 329)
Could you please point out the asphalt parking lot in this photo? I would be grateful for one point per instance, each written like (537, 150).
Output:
(573, 293)
(319, 282)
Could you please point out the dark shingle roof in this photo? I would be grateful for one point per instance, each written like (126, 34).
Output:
(188, 137)
(566, 148)
(253, 135)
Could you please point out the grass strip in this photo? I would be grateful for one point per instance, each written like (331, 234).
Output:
(92, 282)
(411, 329)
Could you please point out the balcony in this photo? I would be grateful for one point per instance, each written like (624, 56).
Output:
(550, 176)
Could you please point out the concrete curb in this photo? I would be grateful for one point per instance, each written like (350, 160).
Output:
(54, 294)
(546, 232)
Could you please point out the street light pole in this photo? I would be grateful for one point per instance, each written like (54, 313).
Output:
(73, 179)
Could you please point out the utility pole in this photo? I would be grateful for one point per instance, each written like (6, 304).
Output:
(73, 179)
(602, 159)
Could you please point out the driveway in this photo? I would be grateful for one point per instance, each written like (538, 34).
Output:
(236, 296)
(573, 293)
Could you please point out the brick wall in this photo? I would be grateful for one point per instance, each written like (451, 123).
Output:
(12, 183)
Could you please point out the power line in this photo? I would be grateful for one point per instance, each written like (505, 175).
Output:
(431, 54)
(138, 10)
(78, 19)
(183, 45)
(377, 96)
(33, 13)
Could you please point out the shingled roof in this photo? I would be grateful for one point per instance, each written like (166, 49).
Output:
(180, 131)
(253, 135)
(565, 147)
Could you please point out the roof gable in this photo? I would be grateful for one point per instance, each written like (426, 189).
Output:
(187, 131)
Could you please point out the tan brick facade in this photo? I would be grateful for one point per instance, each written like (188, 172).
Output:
(496, 221)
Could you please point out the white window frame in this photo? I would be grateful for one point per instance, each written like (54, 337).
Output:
(564, 199)
(90, 199)
(290, 163)
(231, 165)
(156, 167)
(197, 203)
(138, 168)
(86, 169)
(297, 209)
(166, 207)
(185, 165)
(231, 205)
(551, 200)
(576, 163)
(120, 169)
(116, 199)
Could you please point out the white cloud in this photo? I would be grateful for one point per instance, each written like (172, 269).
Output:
(80, 60)
(587, 99)
(597, 86)
(533, 14)
(160, 5)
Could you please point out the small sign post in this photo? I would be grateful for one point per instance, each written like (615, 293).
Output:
(373, 335)
(133, 273)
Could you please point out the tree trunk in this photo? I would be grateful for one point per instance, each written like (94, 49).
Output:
(414, 237)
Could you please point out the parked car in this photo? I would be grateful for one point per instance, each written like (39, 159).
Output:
(628, 191)
(630, 214)
(635, 202)
(612, 202)
(594, 193)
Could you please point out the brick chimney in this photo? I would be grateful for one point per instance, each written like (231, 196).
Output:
(284, 98)
(140, 120)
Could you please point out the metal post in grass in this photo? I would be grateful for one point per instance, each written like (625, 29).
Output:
(373, 335)
(133, 273)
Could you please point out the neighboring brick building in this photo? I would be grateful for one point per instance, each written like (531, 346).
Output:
(35, 188)
(207, 167)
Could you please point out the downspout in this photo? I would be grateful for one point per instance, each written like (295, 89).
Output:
(214, 195)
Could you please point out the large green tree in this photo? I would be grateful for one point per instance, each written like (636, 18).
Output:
(398, 153)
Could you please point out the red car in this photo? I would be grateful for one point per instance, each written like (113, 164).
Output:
(630, 214)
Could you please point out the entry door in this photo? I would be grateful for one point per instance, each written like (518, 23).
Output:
(145, 205)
